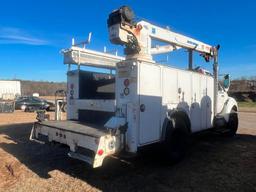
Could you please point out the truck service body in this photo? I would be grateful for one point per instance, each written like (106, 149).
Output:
(143, 102)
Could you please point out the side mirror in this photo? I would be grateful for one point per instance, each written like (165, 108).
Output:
(226, 82)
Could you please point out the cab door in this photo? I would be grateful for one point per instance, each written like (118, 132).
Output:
(222, 97)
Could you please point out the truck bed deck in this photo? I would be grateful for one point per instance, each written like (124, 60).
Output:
(76, 127)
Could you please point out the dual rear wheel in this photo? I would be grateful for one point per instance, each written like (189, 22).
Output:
(178, 136)
(177, 139)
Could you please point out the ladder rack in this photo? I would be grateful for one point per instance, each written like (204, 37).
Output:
(85, 57)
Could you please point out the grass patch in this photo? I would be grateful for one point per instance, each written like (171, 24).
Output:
(246, 104)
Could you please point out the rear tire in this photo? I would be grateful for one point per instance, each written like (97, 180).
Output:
(177, 140)
(232, 124)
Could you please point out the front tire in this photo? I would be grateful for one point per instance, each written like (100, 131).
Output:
(232, 124)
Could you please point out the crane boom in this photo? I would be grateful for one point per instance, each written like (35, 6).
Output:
(175, 39)
(137, 37)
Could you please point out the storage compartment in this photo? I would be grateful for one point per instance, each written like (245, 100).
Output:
(93, 85)
(94, 117)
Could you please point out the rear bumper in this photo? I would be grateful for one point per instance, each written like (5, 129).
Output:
(86, 143)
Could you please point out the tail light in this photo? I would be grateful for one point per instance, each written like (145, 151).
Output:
(126, 82)
(100, 152)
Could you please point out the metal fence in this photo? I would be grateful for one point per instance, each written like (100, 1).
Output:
(7, 106)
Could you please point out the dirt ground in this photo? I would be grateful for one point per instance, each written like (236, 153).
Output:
(19, 117)
(248, 109)
(214, 163)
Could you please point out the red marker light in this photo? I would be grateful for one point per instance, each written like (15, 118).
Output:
(100, 152)
(126, 82)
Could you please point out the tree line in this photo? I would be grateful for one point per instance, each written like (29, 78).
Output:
(41, 87)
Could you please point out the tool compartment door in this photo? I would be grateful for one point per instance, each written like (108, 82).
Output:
(150, 103)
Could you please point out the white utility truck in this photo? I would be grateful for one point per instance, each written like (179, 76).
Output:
(151, 102)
